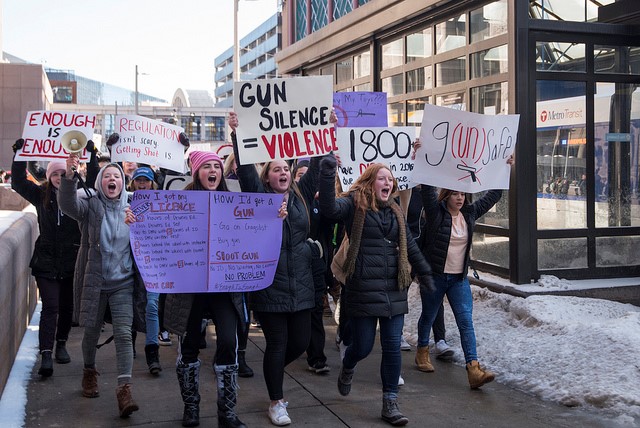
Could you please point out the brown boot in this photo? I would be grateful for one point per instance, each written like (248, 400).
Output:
(126, 405)
(477, 375)
(90, 383)
(423, 359)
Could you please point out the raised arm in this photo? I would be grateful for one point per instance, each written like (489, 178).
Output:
(68, 199)
(25, 188)
(335, 209)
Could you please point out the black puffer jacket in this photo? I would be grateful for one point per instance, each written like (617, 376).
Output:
(435, 242)
(56, 248)
(292, 289)
(373, 288)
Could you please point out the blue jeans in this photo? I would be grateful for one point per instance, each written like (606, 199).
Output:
(363, 336)
(458, 291)
(153, 323)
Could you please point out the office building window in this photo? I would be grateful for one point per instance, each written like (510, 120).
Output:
(362, 65)
(419, 45)
(393, 85)
(451, 71)
(451, 34)
(415, 108)
(488, 21)
(489, 62)
(419, 79)
(392, 54)
(344, 70)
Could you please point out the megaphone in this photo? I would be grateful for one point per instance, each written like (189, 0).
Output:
(73, 141)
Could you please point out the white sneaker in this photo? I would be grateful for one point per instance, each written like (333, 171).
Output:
(404, 345)
(400, 381)
(443, 350)
(278, 414)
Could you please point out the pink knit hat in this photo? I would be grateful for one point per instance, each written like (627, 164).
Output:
(55, 166)
(199, 158)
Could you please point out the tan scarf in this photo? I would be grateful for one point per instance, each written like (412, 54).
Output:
(404, 268)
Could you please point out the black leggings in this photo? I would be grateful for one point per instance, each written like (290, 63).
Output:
(225, 317)
(287, 336)
(57, 310)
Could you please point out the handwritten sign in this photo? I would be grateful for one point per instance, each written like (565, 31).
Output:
(465, 151)
(284, 118)
(149, 141)
(176, 182)
(199, 242)
(360, 147)
(360, 109)
(43, 130)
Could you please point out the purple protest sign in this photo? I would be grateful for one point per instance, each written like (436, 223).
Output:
(178, 233)
(360, 109)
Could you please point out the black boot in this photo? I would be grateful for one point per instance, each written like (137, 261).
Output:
(188, 378)
(243, 369)
(153, 359)
(46, 364)
(62, 356)
(227, 379)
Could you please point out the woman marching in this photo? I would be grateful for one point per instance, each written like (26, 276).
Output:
(108, 277)
(450, 220)
(184, 314)
(378, 273)
(284, 308)
(53, 261)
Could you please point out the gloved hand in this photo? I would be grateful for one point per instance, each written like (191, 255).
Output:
(328, 164)
(113, 138)
(17, 145)
(426, 283)
(184, 140)
(91, 146)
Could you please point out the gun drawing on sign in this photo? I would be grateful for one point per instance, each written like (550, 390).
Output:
(470, 169)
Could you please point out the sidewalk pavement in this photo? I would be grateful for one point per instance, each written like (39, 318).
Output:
(440, 399)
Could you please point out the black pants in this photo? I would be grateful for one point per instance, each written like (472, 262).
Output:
(57, 310)
(315, 350)
(225, 317)
(287, 336)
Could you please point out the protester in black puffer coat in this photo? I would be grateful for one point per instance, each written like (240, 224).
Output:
(53, 259)
(377, 268)
(284, 308)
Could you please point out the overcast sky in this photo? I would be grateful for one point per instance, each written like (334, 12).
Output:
(174, 42)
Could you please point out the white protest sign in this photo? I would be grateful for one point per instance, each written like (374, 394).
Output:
(149, 141)
(465, 151)
(284, 118)
(176, 182)
(43, 130)
(360, 147)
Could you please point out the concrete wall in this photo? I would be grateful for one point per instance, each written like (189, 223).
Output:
(18, 296)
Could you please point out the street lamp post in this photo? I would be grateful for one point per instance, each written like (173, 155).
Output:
(136, 90)
(236, 43)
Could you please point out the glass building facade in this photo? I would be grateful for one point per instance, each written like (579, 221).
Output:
(573, 209)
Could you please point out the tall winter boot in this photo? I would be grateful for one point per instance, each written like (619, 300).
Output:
(477, 375)
(188, 378)
(153, 359)
(126, 404)
(61, 354)
(227, 377)
(423, 359)
(46, 364)
(243, 369)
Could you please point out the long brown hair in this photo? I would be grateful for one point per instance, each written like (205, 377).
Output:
(48, 194)
(444, 194)
(264, 178)
(362, 190)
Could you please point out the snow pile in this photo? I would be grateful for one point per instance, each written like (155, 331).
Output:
(553, 282)
(571, 350)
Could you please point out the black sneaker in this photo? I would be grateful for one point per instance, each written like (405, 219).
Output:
(344, 381)
(46, 364)
(319, 368)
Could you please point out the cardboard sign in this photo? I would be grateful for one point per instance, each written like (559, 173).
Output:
(148, 141)
(283, 118)
(43, 130)
(200, 242)
(360, 147)
(176, 182)
(465, 151)
(360, 109)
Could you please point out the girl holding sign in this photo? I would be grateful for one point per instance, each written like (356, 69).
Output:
(448, 235)
(184, 314)
(53, 261)
(107, 275)
(284, 308)
(377, 271)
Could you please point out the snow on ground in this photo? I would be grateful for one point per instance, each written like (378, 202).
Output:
(571, 350)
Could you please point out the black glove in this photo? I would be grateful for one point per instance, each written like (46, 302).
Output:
(113, 138)
(328, 164)
(426, 283)
(91, 146)
(17, 145)
(184, 140)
